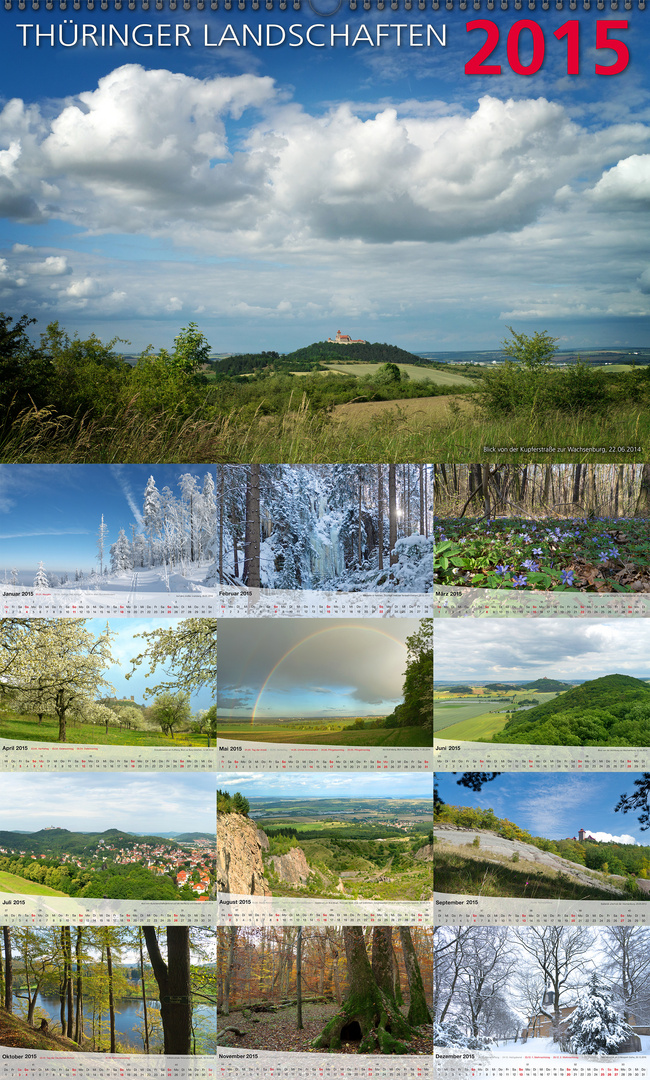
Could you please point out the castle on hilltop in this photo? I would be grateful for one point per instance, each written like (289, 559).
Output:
(345, 339)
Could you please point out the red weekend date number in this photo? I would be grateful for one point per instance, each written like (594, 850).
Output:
(533, 34)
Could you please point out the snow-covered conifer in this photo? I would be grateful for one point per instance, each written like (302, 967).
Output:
(121, 558)
(596, 1025)
(41, 581)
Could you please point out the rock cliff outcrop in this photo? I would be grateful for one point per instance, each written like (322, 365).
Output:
(239, 856)
(292, 867)
(424, 854)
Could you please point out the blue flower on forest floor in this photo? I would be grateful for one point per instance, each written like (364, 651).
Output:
(519, 579)
(501, 569)
(567, 577)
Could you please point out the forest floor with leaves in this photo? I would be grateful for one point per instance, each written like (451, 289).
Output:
(278, 1031)
(571, 555)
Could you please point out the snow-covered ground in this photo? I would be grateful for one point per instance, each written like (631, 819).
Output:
(544, 1047)
(412, 573)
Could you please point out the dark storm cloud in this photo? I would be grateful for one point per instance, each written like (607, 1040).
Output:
(364, 659)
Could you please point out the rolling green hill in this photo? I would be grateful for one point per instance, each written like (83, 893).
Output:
(546, 686)
(58, 841)
(611, 711)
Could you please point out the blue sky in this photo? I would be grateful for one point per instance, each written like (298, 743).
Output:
(126, 645)
(275, 195)
(51, 513)
(148, 802)
(336, 785)
(554, 805)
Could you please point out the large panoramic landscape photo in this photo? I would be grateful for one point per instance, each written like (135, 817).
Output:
(320, 249)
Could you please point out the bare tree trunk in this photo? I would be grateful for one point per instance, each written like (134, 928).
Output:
(359, 532)
(382, 958)
(642, 508)
(251, 574)
(392, 514)
(577, 473)
(221, 513)
(111, 999)
(299, 1023)
(485, 479)
(418, 1011)
(380, 514)
(64, 983)
(68, 950)
(232, 937)
(78, 1026)
(9, 970)
(144, 996)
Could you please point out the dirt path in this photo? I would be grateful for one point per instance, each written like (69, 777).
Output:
(418, 409)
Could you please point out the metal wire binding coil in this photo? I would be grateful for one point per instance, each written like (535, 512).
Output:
(352, 5)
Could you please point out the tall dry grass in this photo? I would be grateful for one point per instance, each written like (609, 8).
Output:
(40, 435)
(301, 436)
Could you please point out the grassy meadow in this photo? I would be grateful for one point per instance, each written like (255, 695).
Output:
(24, 727)
(313, 735)
(69, 400)
(475, 721)
(12, 883)
(473, 874)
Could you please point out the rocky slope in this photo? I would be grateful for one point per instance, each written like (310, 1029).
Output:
(292, 868)
(239, 856)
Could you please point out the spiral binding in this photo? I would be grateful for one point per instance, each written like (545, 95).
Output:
(312, 6)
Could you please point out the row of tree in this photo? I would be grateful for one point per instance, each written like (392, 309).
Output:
(318, 521)
(57, 666)
(370, 972)
(542, 490)
(84, 968)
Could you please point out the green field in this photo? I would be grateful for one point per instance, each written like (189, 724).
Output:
(476, 721)
(414, 372)
(406, 736)
(455, 713)
(26, 728)
(13, 883)
(480, 728)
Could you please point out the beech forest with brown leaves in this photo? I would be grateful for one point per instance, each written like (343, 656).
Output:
(279, 988)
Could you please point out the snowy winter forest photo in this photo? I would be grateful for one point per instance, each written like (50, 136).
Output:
(157, 528)
(568, 990)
